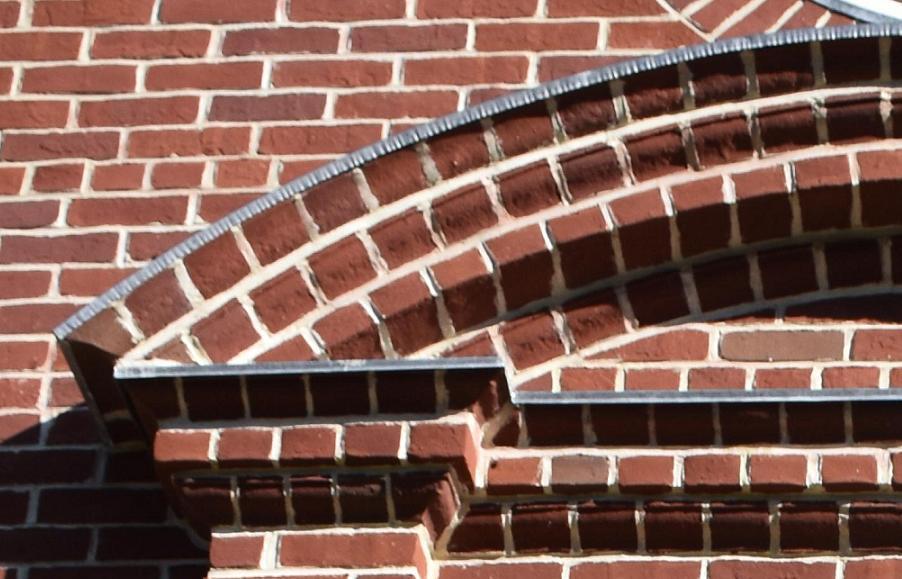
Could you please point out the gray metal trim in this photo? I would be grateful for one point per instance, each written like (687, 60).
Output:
(707, 397)
(863, 11)
(450, 122)
(146, 371)
(138, 371)
(676, 495)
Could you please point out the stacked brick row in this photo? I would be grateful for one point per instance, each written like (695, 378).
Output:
(736, 423)
(553, 472)
(657, 527)
(758, 471)
(799, 353)
(272, 554)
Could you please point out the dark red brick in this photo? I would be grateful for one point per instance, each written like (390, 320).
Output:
(282, 300)
(456, 152)
(311, 499)
(653, 93)
(784, 128)
(531, 340)
(658, 298)
(410, 314)
(875, 527)
(853, 263)
(851, 119)
(334, 203)
(703, 218)
(591, 171)
(621, 425)
(784, 69)
(723, 283)
(740, 527)
(523, 129)
(276, 396)
(607, 526)
(463, 213)
(216, 266)
(467, 288)
(644, 229)
(722, 140)
(395, 176)
(342, 267)
(684, 424)
(554, 425)
(717, 79)
(349, 333)
(673, 527)
(276, 232)
(525, 264)
(362, 499)
(528, 190)
(403, 238)
(585, 247)
(587, 111)
(819, 424)
(806, 527)
(787, 271)
(262, 501)
(851, 60)
(479, 530)
(880, 178)
(540, 528)
(225, 332)
(340, 394)
(212, 398)
(749, 423)
(763, 204)
(655, 154)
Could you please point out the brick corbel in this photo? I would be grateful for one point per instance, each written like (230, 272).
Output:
(271, 462)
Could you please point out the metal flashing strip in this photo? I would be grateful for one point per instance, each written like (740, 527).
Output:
(708, 396)
(144, 371)
(871, 11)
(153, 371)
(445, 124)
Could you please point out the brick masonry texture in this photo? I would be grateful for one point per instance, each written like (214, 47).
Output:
(126, 126)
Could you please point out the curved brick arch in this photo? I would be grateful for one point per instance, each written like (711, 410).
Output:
(339, 220)
(563, 255)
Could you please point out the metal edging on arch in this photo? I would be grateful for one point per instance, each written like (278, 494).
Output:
(709, 397)
(154, 371)
(871, 11)
(455, 120)
(139, 371)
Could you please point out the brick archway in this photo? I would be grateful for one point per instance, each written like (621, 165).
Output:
(575, 238)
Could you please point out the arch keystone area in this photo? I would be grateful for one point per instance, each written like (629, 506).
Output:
(709, 236)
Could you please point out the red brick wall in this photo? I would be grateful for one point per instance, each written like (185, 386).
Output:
(126, 125)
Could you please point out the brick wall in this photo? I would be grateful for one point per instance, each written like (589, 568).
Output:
(128, 125)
